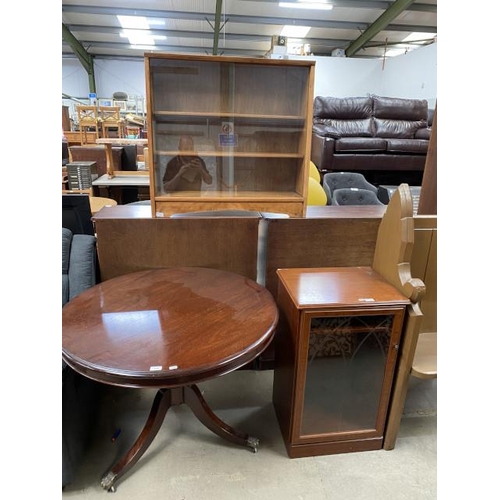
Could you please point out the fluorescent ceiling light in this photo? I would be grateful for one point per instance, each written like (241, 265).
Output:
(141, 37)
(412, 37)
(156, 22)
(144, 47)
(411, 42)
(395, 52)
(133, 22)
(307, 4)
(295, 31)
(136, 29)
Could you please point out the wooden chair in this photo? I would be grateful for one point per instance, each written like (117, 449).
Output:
(110, 118)
(393, 261)
(88, 118)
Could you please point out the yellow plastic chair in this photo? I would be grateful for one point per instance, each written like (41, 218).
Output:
(314, 172)
(316, 194)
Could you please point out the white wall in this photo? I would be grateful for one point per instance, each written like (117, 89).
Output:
(110, 76)
(345, 77)
(413, 75)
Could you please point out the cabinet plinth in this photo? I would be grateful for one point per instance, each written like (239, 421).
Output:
(336, 352)
(228, 133)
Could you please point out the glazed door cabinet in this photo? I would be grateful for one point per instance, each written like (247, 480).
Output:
(249, 120)
(336, 353)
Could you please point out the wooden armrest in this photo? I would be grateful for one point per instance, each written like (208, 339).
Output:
(425, 360)
(414, 289)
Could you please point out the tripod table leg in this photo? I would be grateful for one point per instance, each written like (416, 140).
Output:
(161, 404)
(194, 399)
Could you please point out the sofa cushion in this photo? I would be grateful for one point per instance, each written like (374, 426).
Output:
(360, 144)
(65, 289)
(423, 133)
(82, 269)
(395, 108)
(348, 128)
(67, 235)
(401, 129)
(347, 108)
(418, 146)
(430, 116)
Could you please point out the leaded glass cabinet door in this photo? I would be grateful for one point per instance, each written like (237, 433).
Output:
(347, 363)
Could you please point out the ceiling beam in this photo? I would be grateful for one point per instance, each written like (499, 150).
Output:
(170, 48)
(114, 30)
(86, 59)
(236, 18)
(367, 4)
(203, 16)
(218, 11)
(381, 23)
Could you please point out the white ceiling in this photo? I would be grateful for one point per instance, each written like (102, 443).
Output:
(246, 27)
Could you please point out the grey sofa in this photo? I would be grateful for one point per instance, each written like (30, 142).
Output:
(80, 395)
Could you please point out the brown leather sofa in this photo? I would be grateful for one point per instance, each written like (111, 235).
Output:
(384, 138)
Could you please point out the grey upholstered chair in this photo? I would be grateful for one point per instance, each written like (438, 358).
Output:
(339, 180)
(80, 395)
(355, 196)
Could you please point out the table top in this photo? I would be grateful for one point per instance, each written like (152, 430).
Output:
(119, 141)
(98, 202)
(339, 287)
(167, 327)
(122, 180)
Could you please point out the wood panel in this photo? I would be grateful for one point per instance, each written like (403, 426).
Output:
(321, 242)
(74, 138)
(66, 123)
(428, 195)
(167, 208)
(96, 153)
(128, 245)
(424, 266)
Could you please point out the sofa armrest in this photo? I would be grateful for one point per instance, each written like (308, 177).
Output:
(322, 152)
(83, 264)
(423, 133)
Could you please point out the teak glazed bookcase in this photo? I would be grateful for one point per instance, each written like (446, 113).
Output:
(250, 120)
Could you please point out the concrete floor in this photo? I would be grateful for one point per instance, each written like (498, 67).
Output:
(188, 462)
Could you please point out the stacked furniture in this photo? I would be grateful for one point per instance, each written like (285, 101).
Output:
(126, 245)
(80, 395)
(384, 138)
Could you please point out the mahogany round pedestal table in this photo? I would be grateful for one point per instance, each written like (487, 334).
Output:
(168, 329)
